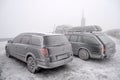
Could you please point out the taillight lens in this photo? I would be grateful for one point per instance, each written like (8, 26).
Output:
(104, 50)
(44, 51)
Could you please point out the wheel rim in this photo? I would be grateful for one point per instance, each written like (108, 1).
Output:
(31, 64)
(83, 54)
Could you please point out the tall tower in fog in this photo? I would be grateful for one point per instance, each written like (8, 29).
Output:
(83, 19)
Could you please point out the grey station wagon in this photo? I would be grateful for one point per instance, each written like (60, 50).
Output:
(40, 50)
(88, 41)
(91, 45)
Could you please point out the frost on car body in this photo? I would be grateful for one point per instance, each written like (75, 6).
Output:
(89, 42)
(40, 50)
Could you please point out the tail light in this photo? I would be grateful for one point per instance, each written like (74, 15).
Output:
(44, 51)
(104, 50)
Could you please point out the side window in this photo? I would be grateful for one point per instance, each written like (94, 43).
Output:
(79, 39)
(90, 39)
(73, 38)
(25, 39)
(17, 39)
(35, 41)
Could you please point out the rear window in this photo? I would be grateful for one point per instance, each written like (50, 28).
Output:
(104, 38)
(25, 39)
(55, 40)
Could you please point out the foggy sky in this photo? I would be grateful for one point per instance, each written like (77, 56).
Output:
(17, 16)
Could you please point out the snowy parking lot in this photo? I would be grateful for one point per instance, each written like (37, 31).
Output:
(106, 69)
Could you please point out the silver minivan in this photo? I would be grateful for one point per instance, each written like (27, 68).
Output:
(40, 50)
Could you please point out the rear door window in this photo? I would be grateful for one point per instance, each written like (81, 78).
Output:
(90, 40)
(35, 41)
(73, 38)
(25, 39)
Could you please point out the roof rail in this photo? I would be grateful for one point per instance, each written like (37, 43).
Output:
(85, 29)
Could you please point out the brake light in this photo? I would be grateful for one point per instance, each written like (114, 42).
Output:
(44, 51)
(104, 50)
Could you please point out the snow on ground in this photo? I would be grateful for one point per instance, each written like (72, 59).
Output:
(106, 69)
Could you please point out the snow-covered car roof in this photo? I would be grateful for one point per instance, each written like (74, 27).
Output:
(85, 29)
(41, 34)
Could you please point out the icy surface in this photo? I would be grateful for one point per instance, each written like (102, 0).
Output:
(107, 69)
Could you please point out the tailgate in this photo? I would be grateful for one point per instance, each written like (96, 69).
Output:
(61, 52)
(110, 48)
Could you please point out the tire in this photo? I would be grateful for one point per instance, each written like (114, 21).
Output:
(83, 54)
(7, 53)
(32, 65)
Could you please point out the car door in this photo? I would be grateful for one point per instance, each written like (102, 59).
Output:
(79, 43)
(13, 46)
(35, 45)
(91, 43)
(23, 47)
(73, 40)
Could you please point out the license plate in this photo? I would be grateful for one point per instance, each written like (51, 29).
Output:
(62, 57)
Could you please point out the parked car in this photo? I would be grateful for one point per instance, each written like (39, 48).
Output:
(63, 29)
(91, 45)
(40, 50)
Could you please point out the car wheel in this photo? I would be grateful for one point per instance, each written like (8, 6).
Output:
(31, 64)
(7, 53)
(83, 54)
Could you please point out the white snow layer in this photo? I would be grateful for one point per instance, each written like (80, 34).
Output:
(106, 69)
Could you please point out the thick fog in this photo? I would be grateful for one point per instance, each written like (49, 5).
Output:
(17, 16)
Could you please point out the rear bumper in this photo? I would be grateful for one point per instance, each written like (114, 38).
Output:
(109, 54)
(101, 56)
(48, 65)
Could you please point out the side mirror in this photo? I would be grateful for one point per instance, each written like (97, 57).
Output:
(10, 41)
